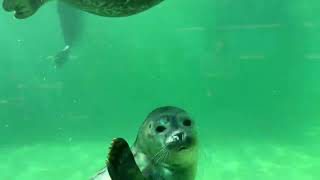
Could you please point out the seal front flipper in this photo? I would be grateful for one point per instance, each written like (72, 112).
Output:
(121, 163)
(22, 8)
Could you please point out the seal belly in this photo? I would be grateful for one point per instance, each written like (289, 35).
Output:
(112, 8)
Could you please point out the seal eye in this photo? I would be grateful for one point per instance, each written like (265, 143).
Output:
(187, 122)
(160, 129)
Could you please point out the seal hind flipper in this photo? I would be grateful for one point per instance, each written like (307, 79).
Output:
(71, 22)
(22, 8)
(121, 163)
(62, 57)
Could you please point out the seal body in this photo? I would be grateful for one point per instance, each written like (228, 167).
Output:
(114, 8)
(166, 148)
(109, 8)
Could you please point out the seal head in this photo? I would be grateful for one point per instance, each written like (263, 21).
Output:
(166, 145)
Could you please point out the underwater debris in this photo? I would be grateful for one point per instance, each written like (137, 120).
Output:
(11, 101)
(309, 24)
(249, 26)
(312, 56)
(3, 101)
(195, 28)
(56, 85)
(252, 57)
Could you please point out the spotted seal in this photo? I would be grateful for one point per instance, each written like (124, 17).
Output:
(166, 148)
(110, 8)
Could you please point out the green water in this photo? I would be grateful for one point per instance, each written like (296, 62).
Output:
(248, 72)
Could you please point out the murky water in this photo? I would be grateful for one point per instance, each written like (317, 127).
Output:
(248, 72)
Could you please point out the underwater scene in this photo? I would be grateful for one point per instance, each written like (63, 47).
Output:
(159, 90)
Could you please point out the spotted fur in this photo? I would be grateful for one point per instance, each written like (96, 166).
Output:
(109, 8)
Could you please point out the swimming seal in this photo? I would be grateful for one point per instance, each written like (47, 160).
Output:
(110, 8)
(166, 148)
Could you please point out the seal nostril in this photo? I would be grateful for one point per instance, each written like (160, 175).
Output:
(180, 136)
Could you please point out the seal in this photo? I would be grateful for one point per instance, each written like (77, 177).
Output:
(110, 8)
(166, 148)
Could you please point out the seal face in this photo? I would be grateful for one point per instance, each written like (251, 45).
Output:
(165, 149)
(166, 145)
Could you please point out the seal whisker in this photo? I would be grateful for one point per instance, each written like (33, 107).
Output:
(166, 156)
(156, 156)
(159, 152)
(161, 156)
